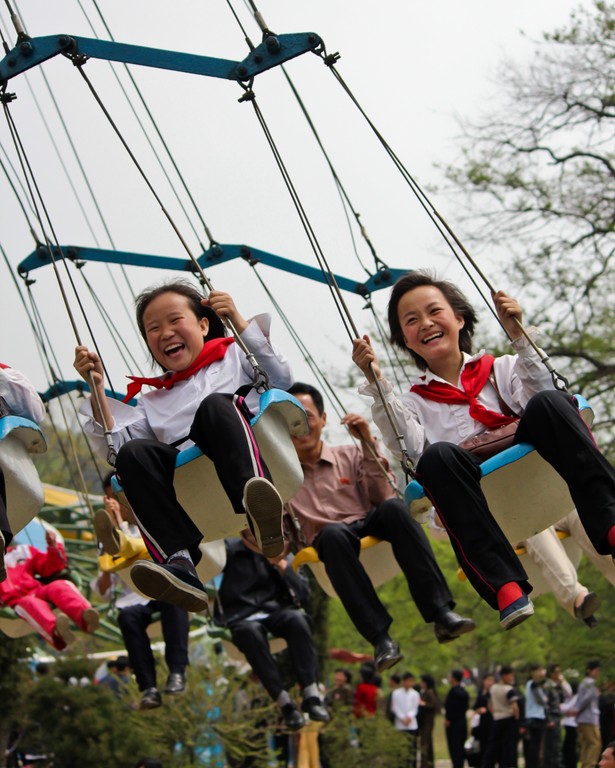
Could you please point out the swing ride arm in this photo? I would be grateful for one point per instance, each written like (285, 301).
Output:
(273, 51)
(217, 254)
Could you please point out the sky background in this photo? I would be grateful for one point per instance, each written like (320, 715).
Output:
(415, 67)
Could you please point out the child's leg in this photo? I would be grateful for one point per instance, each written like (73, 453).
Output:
(38, 614)
(5, 528)
(221, 428)
(552, 424)
(451, 479)
(65, 596)
(147, 470)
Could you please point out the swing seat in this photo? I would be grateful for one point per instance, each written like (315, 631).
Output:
(12, 625)
(524, 493)
(376, 556)
(198, 488)
(19, 438)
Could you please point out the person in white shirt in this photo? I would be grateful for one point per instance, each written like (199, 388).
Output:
(462, 395)
(405, 702)
(199, 399)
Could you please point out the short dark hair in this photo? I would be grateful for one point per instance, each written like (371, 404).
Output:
(346, 672)
(552, 667)
(506, 669)
(395, 678)
(299, 388)
(217, 329)
(428, 680)
(593, 664)
(460, 305)
(407, 676)
(457, 674)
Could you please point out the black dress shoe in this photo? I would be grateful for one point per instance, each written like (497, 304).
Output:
(293, 719)
(386, 654)
(450, 625)
(176, 683)
(315, 709)
(150, 699)
(588, 607)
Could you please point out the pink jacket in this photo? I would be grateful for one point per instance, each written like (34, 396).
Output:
(23, 563)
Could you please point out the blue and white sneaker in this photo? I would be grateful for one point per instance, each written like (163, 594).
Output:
(174, 582)
(520, 610)
(264, 508)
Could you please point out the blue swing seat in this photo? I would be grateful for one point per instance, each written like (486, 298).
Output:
(19, 438)
(524, 493)
(198, 488)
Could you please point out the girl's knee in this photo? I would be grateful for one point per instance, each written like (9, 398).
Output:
(437, 457)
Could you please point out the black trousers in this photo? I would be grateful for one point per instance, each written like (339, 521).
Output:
(5, 526)
(535, 730)
(456, 734)
(294, 626)
(451, 478)
(569, 749)
(338, 547)
(134, 621)
(502, 745)
(221, 429)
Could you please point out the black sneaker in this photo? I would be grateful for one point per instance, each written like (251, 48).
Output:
(264, 508)
(175, 583)
(150, 699)
(293, 719)
(315, 709)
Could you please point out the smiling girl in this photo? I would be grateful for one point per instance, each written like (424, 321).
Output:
(461, 395)
(196, 400)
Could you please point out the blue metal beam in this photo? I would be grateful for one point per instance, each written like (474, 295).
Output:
(273, 51)
(217, 254)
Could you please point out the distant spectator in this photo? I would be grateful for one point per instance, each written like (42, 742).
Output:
(588, 716)
(405, 706)
(455, 708)
(367, 692)
(116, 678)
(341, 694)
(429, 706)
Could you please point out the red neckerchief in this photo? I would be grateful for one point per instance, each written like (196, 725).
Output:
(2, 365)
(473, 378)
(212, 350)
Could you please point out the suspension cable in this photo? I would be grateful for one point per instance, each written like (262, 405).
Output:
(449, 236)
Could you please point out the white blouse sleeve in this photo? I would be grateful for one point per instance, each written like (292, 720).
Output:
(404, 417)
(256, 338)
(20, 395)
(128, 423)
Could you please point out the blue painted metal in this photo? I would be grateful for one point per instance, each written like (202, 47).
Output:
(275, 50)
(217, 254)
(64, 387)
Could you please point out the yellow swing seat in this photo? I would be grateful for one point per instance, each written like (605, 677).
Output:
(198, 488)
(378, 561)
(524, 493)
(19, 438)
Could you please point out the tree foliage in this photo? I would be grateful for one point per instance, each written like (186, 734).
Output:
(538, 174)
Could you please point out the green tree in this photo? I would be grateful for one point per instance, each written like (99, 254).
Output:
(538, 173)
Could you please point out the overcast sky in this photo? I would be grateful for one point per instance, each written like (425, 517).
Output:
(413, 66)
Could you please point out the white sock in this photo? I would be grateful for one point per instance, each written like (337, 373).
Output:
(183, 553)
(311, 691)
(283, 698)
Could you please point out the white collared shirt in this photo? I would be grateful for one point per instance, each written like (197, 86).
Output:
(423, 422)
(167, 414)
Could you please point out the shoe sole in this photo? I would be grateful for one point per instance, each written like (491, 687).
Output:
(161, 585)
(588, 607)
(264, 506)
(91, 620)
(518, 617)
(389, 662)
(63, 629)
(450, 636)
(105, 532)
(144, 706)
